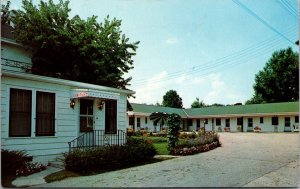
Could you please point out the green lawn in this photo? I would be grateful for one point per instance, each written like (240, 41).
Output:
(161, 148)
(160, 143)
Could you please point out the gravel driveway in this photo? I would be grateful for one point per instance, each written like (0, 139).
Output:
(245, 159)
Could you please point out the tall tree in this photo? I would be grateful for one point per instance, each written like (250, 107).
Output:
(172, 99)
(198, 104)
(279, 79)
(5, 12)
(72, 48)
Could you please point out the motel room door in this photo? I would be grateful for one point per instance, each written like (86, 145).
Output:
(86, 118)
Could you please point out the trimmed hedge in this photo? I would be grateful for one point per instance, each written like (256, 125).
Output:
(109, 157)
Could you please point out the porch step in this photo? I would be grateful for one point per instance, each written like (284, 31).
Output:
(58, 162)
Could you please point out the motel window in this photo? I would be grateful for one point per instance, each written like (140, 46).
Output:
(131, 120)
(86, 115)
(287, 121)
(212, 121)
(239, 121)
(206, 121)
(111, 117)
(20, 113)
(190, 122)
(138, 122)
(296, 119)
(227, 122)
(146, 120)
(250, 122)
(45, 114)
(218, 121)
(261, 120)
(274, 120)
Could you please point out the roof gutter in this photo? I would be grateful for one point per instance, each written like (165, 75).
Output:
(52, 80)
(246, 115)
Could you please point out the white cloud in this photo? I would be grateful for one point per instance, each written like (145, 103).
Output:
(220, 92)
(171, 41)
(152, 91)
(181, 79)
(211, 89)
(198, 80)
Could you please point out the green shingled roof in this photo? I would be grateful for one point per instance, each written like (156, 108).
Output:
(270, 108)
(246, 109)
(143, 108)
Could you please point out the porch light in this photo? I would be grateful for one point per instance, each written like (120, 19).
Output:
(100, 104)
(72, 103)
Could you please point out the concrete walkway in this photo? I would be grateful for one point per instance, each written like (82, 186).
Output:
(34, 179)
(245, 159)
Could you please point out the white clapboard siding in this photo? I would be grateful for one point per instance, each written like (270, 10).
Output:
(66, 119)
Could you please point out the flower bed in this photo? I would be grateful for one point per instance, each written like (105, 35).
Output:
(257, 129)
(18, 163)
(195, 150)
(201, 143)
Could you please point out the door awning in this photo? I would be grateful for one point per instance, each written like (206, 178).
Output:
(89, 93)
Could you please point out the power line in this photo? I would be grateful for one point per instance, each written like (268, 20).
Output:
(224, 67)
(260, 19)
(232, 64)
(288, 8)
(291, 7)
(245, 53)
(225, 58)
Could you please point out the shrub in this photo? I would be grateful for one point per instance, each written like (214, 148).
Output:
(130, 132)
(109, 157)
(138, 133)
(18, 163)
(30, 168)
(11, 161)
(184, 135)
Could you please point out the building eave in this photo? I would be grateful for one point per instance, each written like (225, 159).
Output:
(74, 84)
(10, 41)
(245, 115)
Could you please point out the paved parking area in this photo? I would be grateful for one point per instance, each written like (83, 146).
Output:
(245, 159)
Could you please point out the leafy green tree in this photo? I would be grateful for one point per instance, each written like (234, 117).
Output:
(174, 121)
(217, 104)
(198, 104)
(73, 48)
(279, 79)
(5, 13)
(172, 99)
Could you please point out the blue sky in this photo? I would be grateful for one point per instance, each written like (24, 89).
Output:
(210, 49)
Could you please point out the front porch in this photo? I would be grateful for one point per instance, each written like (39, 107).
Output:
(97, 138)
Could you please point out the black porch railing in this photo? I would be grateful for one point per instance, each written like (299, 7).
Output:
(8, 63)
(97, 138)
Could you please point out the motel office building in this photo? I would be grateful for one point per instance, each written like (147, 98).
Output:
(270, 117)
